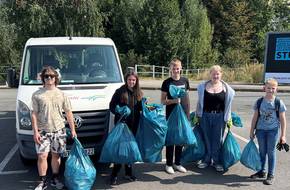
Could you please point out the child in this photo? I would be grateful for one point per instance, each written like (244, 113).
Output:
(265, 125)
(166, 99)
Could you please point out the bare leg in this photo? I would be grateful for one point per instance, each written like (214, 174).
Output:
(55, 162)
(42, 164)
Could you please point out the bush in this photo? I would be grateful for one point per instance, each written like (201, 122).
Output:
(250, 73)
(131, 59)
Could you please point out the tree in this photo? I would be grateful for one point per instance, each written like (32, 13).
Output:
(8, 37)
(121, 20)
(233, 28)
(55, 18)
(281, 20)
(197, 35)
(159, 31)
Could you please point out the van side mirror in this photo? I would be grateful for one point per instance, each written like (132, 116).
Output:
(12, 81)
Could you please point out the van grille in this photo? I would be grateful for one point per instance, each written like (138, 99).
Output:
(93, 129)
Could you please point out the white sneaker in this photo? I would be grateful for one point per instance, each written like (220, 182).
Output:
(202, 165)
(218, 167)
(180, 168)
(169, 169)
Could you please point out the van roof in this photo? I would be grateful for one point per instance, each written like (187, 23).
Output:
(68, 41)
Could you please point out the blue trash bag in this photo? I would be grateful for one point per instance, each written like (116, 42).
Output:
(251, 157)
(195, 152)
(151, 132)
(176, 92)
(120, 146)
(179, 129)
(231, 151)
(237, 121)
(124, 111)
(79, 173)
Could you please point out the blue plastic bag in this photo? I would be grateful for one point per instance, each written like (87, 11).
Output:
(151, 132)
(231, 151)
(251, 157)
(120, 146)
(124, 111)
(195, 152)
(179, 128)
(80, 173)
(236, 120)
(176, 92)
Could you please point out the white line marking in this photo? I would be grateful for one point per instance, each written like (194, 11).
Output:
(241, 138)
(13, 172)
(7, 159)
(3, 118)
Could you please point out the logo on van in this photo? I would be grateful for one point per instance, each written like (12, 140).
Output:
(78, 121)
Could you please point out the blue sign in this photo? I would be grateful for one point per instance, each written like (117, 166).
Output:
(282, 49)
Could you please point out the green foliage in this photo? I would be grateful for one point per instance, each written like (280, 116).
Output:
(56, 18)
(235, 57)
(249, 73)
(281, 20)
(131, 59)
(261, 21)
(8, 37)
(121, 21)
(233, 27)
(159, 31)
(197, 36)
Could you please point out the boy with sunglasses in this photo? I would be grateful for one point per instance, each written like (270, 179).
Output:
(48, 125)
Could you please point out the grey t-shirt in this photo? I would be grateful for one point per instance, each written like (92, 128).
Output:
(49, 106)
(268, 119)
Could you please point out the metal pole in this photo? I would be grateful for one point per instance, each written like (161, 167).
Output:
(153, 71)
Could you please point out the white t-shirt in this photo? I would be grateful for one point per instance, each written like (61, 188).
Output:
(49, 106)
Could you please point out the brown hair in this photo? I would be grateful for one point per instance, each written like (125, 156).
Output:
(45, 70)
(175, 61)
(136, 89)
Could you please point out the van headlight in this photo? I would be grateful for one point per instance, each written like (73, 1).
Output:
(24, 116)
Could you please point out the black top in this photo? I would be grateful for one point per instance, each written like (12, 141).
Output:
(135, 106)
(214, 101)
(182, 83)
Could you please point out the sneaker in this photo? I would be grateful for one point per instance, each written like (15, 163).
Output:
(56, 184)
(113, 180)
(218, 167)
(179, 168)
(41, 186)
(169, 169)
(259, 174)
(130, 177)
(202, 165)
(269, 180)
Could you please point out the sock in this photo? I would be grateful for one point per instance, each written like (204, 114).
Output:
(55, 175)
(43, 178)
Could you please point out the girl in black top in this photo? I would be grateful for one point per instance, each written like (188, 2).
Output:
(129, 95)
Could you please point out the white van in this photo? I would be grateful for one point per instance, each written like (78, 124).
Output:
(90, 73)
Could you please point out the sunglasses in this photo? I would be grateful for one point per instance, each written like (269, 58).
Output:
(49, 76)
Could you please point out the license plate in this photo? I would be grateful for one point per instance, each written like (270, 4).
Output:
(89, 151)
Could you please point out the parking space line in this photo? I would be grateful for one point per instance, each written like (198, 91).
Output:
(6, 161)
(241, 138)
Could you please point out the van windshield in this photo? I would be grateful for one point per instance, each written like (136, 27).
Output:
(76, 64)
